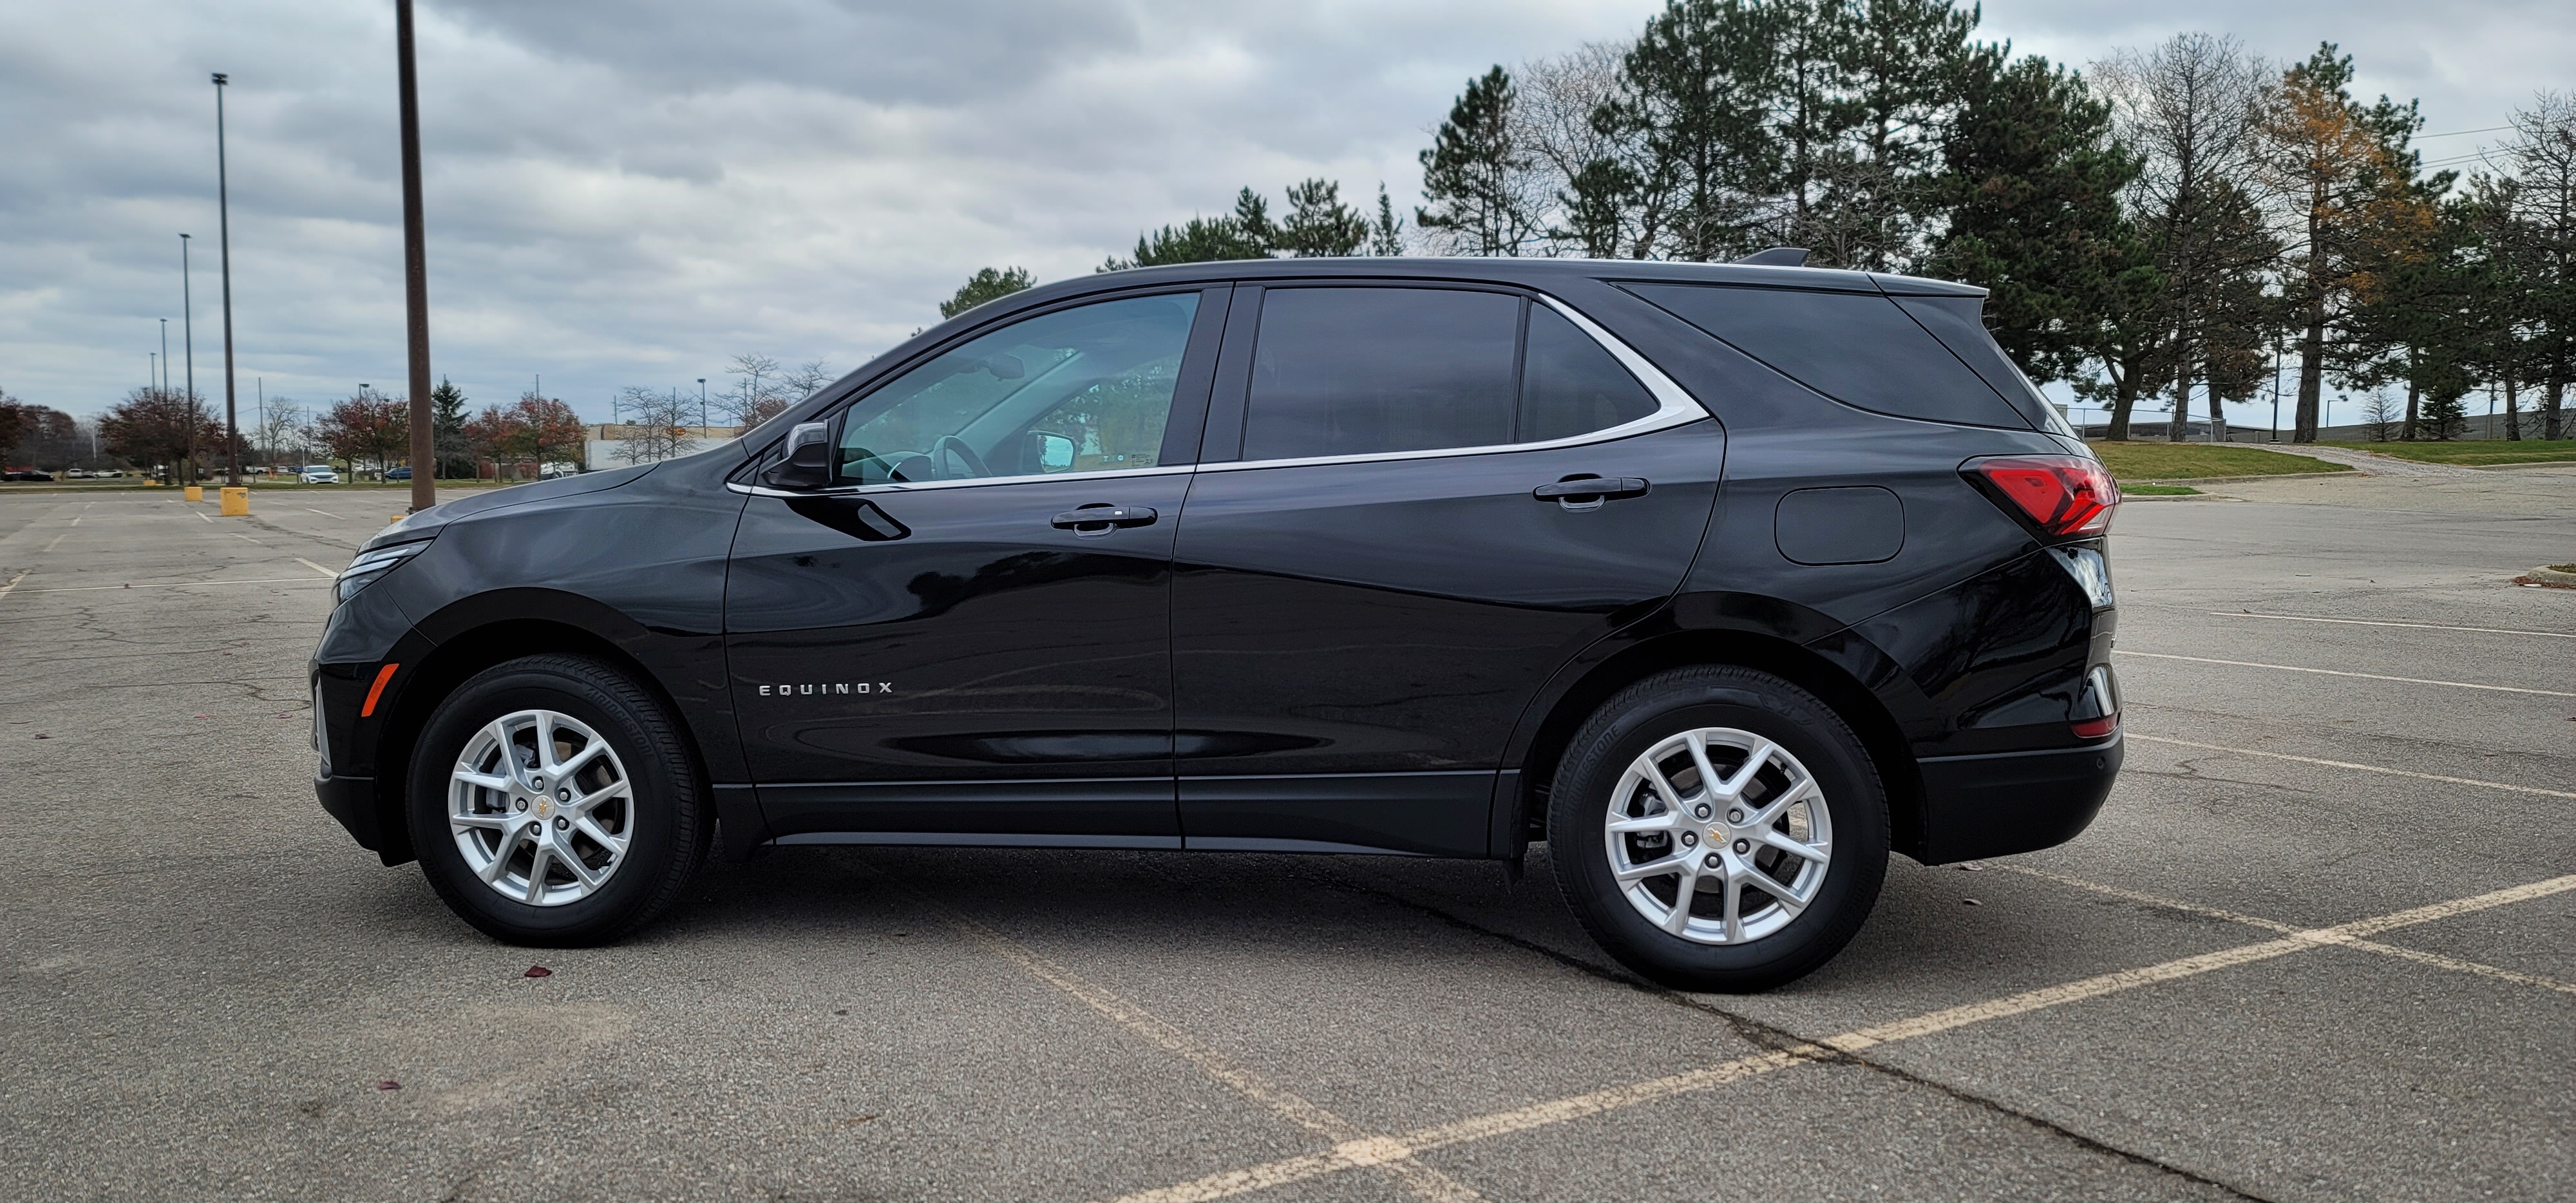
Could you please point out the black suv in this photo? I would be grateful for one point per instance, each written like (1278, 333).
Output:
(1723, 580)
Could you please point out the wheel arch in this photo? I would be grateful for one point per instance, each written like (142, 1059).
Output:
(1882, 736)
(454, 660)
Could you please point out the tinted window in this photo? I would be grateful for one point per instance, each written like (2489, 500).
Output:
(1357, 371)
(1087, 389)
(1959, 324)
(1570, 385)
(1858, 348)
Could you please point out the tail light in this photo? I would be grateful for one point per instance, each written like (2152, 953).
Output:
(2060, 494)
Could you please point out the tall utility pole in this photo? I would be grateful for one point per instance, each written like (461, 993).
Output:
(424, 448)
(224, 240)
(164, 382)
(188, 345)
(702, 402)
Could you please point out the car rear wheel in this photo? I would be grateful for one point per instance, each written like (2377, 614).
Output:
(1718, 828)
(553, 802)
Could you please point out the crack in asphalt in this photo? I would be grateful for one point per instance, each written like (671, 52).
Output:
(1772, 1038)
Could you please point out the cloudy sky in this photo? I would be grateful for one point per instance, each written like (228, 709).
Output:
(628, 193)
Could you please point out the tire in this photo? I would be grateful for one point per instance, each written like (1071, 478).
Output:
(1814, 771)
(631, 813)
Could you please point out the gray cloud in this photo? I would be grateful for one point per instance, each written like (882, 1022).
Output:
(625, 193)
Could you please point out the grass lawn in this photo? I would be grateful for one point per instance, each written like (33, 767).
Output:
(2482, 451)
(2184, 461)
(2130, 490)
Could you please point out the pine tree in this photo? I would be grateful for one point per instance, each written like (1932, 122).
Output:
(1319, 224)
(1470, 173)
(986, 284)
(1905, 65)
(1386, 234)
(1695, 97)
(454, 454)
(2031, 183)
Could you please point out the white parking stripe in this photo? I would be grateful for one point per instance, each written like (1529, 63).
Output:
(325, 513)
(1383, 1150)
(2373, 622)
(2366, 768)
(13, 583)
(317, 567)
(266, 580)
(58, 540)
(2329, 672)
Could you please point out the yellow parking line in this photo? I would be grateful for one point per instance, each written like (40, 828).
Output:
(2418, 956)
(1352, 1148)
(2366, 768)
(2330, 672)
(1385, 1151)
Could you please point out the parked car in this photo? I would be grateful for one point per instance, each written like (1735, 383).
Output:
(26, 474)
(552, 471)
(403, 473)
(1438, 557)
(317, 474)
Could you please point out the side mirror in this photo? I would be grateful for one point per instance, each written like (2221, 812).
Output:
(808, 464)
(1054, 451)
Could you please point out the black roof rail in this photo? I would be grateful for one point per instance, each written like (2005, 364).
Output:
(1778, 256)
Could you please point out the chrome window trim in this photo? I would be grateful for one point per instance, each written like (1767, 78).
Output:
(921, 486)
(1673, 407)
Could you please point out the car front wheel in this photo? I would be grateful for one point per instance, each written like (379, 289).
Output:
(1718, 828)
(553, 802)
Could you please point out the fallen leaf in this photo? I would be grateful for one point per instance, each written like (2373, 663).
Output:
(856, 1120)
(1969, 866)
(388, 1084)
(42, 735)
(1972, 902)
(538, 971)
(205, 716)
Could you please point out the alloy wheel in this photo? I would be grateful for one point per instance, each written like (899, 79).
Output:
(1718, 836)
(541, 807)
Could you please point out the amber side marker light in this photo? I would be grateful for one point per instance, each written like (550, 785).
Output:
(2064, 495)
(377, 690)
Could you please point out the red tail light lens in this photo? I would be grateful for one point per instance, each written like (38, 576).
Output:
(2062, 494)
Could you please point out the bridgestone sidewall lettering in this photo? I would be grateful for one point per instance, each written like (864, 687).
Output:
(1654, 709)
(673, 826)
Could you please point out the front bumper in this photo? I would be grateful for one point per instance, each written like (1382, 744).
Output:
(352, 800)
(2008, 802)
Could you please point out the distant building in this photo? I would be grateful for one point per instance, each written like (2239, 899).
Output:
(605, 446)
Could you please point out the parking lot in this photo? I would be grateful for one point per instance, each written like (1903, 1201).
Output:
(2320, 945)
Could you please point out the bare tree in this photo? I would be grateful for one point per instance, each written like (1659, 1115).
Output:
(657, 425)
(1554, 128)
(758, 392)
(2541, 161)
(2381, 415)
(2192, 107)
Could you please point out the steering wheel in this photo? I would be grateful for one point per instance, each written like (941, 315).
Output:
(952, 445)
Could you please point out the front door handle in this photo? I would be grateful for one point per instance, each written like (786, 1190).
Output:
(1588, 492)
(1102, 519)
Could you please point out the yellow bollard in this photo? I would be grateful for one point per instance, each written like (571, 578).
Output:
(236, 502)
(196, 492)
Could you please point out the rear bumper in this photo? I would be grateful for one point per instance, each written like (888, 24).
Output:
(352, 800)
(2010, 802)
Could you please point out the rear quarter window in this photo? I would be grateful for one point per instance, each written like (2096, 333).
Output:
(1858, 348)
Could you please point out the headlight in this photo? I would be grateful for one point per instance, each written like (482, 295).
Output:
(372, 564)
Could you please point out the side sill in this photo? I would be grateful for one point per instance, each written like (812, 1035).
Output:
(973, 839)
(1236, 843)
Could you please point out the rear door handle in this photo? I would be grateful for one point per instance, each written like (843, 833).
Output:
(1589, 492)
(1102, 519)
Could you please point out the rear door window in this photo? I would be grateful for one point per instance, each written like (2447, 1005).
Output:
(1360, 371)
(1858, 348)
(1363, 371)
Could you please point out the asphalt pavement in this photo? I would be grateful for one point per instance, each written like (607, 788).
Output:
(2320, 945)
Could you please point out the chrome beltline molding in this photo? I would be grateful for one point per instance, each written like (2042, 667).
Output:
(1673, 407)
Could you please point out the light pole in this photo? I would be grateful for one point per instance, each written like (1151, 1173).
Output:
(164, 382)
(224, 241)
(188, 345)
(424, 447)
(702, 403)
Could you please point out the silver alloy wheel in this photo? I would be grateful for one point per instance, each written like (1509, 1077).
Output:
(541, 807)
(1718, 836)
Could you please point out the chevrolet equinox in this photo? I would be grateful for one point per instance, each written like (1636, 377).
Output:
(1722, 580)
